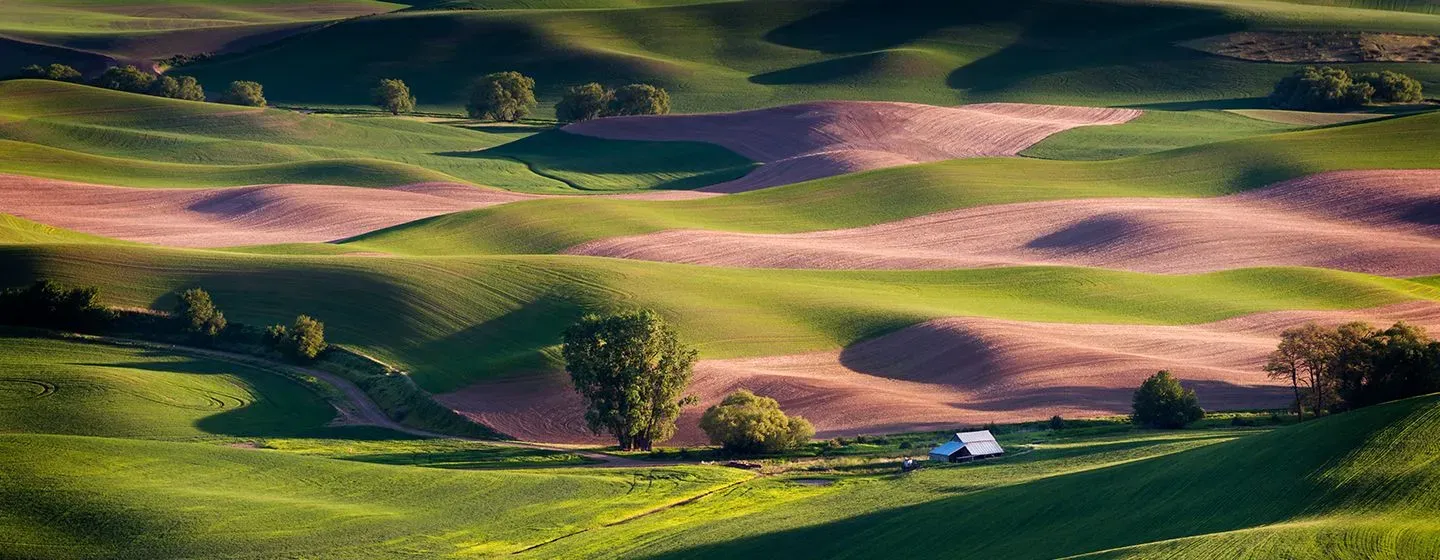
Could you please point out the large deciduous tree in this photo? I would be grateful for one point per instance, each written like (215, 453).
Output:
(394, 96)
(631, 370)
(1304, 357)
(502, 96)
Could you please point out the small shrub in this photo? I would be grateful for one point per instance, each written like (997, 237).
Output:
(1161, 402)
(393, 96)
(639, 99)
(57, 72)
(906, 445)
(196, 314)
(250, 94)
(303, 341)
(583, 103)
(1057, 423)
(747, 423)
(502, 96)
(125, 78)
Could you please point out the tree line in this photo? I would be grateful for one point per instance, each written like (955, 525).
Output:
(134, 80)
(1355, 365)
(195, 319)
(510, 96)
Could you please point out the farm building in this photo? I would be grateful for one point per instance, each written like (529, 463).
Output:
(966, 446)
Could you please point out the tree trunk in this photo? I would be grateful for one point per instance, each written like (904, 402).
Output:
(643, 443)
(1299, 404)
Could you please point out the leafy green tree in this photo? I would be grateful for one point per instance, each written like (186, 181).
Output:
(582, 103)
(58, 72)
(196, 314)
(630, 369)
(1161, 402)
(244, 93)
(639, 99)
(181, 87)
(502, 96)
(1305, 356)
(747, 423)
(1393, 87)
(1320, 89)
(394, 96)
(50, 305)
(125, 78)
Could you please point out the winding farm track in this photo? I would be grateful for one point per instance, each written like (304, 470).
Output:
(1379, 222)
(959, 371)
(820, 139)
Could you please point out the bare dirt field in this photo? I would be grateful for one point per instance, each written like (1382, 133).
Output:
(954, 372)
(813, 140)
(1348, 46)
(253, 215)
(1379, 222)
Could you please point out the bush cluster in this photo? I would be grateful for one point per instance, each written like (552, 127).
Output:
(134, 80)
(49, 305)
(747, 423)
(592, 100)
(302, 341)
(1161, 402)
(1355, 365)
(1334, 89)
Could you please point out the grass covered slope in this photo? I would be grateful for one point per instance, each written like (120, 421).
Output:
(59, 387)
(80, 133)
(455, 320)
(1362, 484)
(72, 497)
(885, 195)
(736, 55)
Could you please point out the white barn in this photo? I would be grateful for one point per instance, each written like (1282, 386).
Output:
(966, 446)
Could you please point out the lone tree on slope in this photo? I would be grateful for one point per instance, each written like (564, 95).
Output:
(502, 96)
(630, 369)
(394, 96)
(748, 423)
(197, 315)
(1161, 402)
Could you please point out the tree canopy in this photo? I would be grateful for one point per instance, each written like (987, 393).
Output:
(502, 96)
(50, 305)
(1393, 87)
(1161, 402)
(630, 369)
(583, 103)
(1334, 89)
(748, 423)
(59, 72)
(394, 96)
(245, 93)
(125, 78)
(196, 314)
(302, 341)
(178, 87)
(639, 99)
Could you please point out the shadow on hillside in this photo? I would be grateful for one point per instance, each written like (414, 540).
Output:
(517, 340)
(858, 26)
(1226, 486)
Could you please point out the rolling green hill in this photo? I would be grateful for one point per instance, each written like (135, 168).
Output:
(733, 55)
(454, 320)
(872, 197)
(67, 131)
(56, 387)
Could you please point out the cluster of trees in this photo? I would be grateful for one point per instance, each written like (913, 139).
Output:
(509, 96)
(134, 80)
(1333, 89)
(592, 101)
(631, 371)
(1355, 365)
(1161, 402)
(196, 315)
(49, 305)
